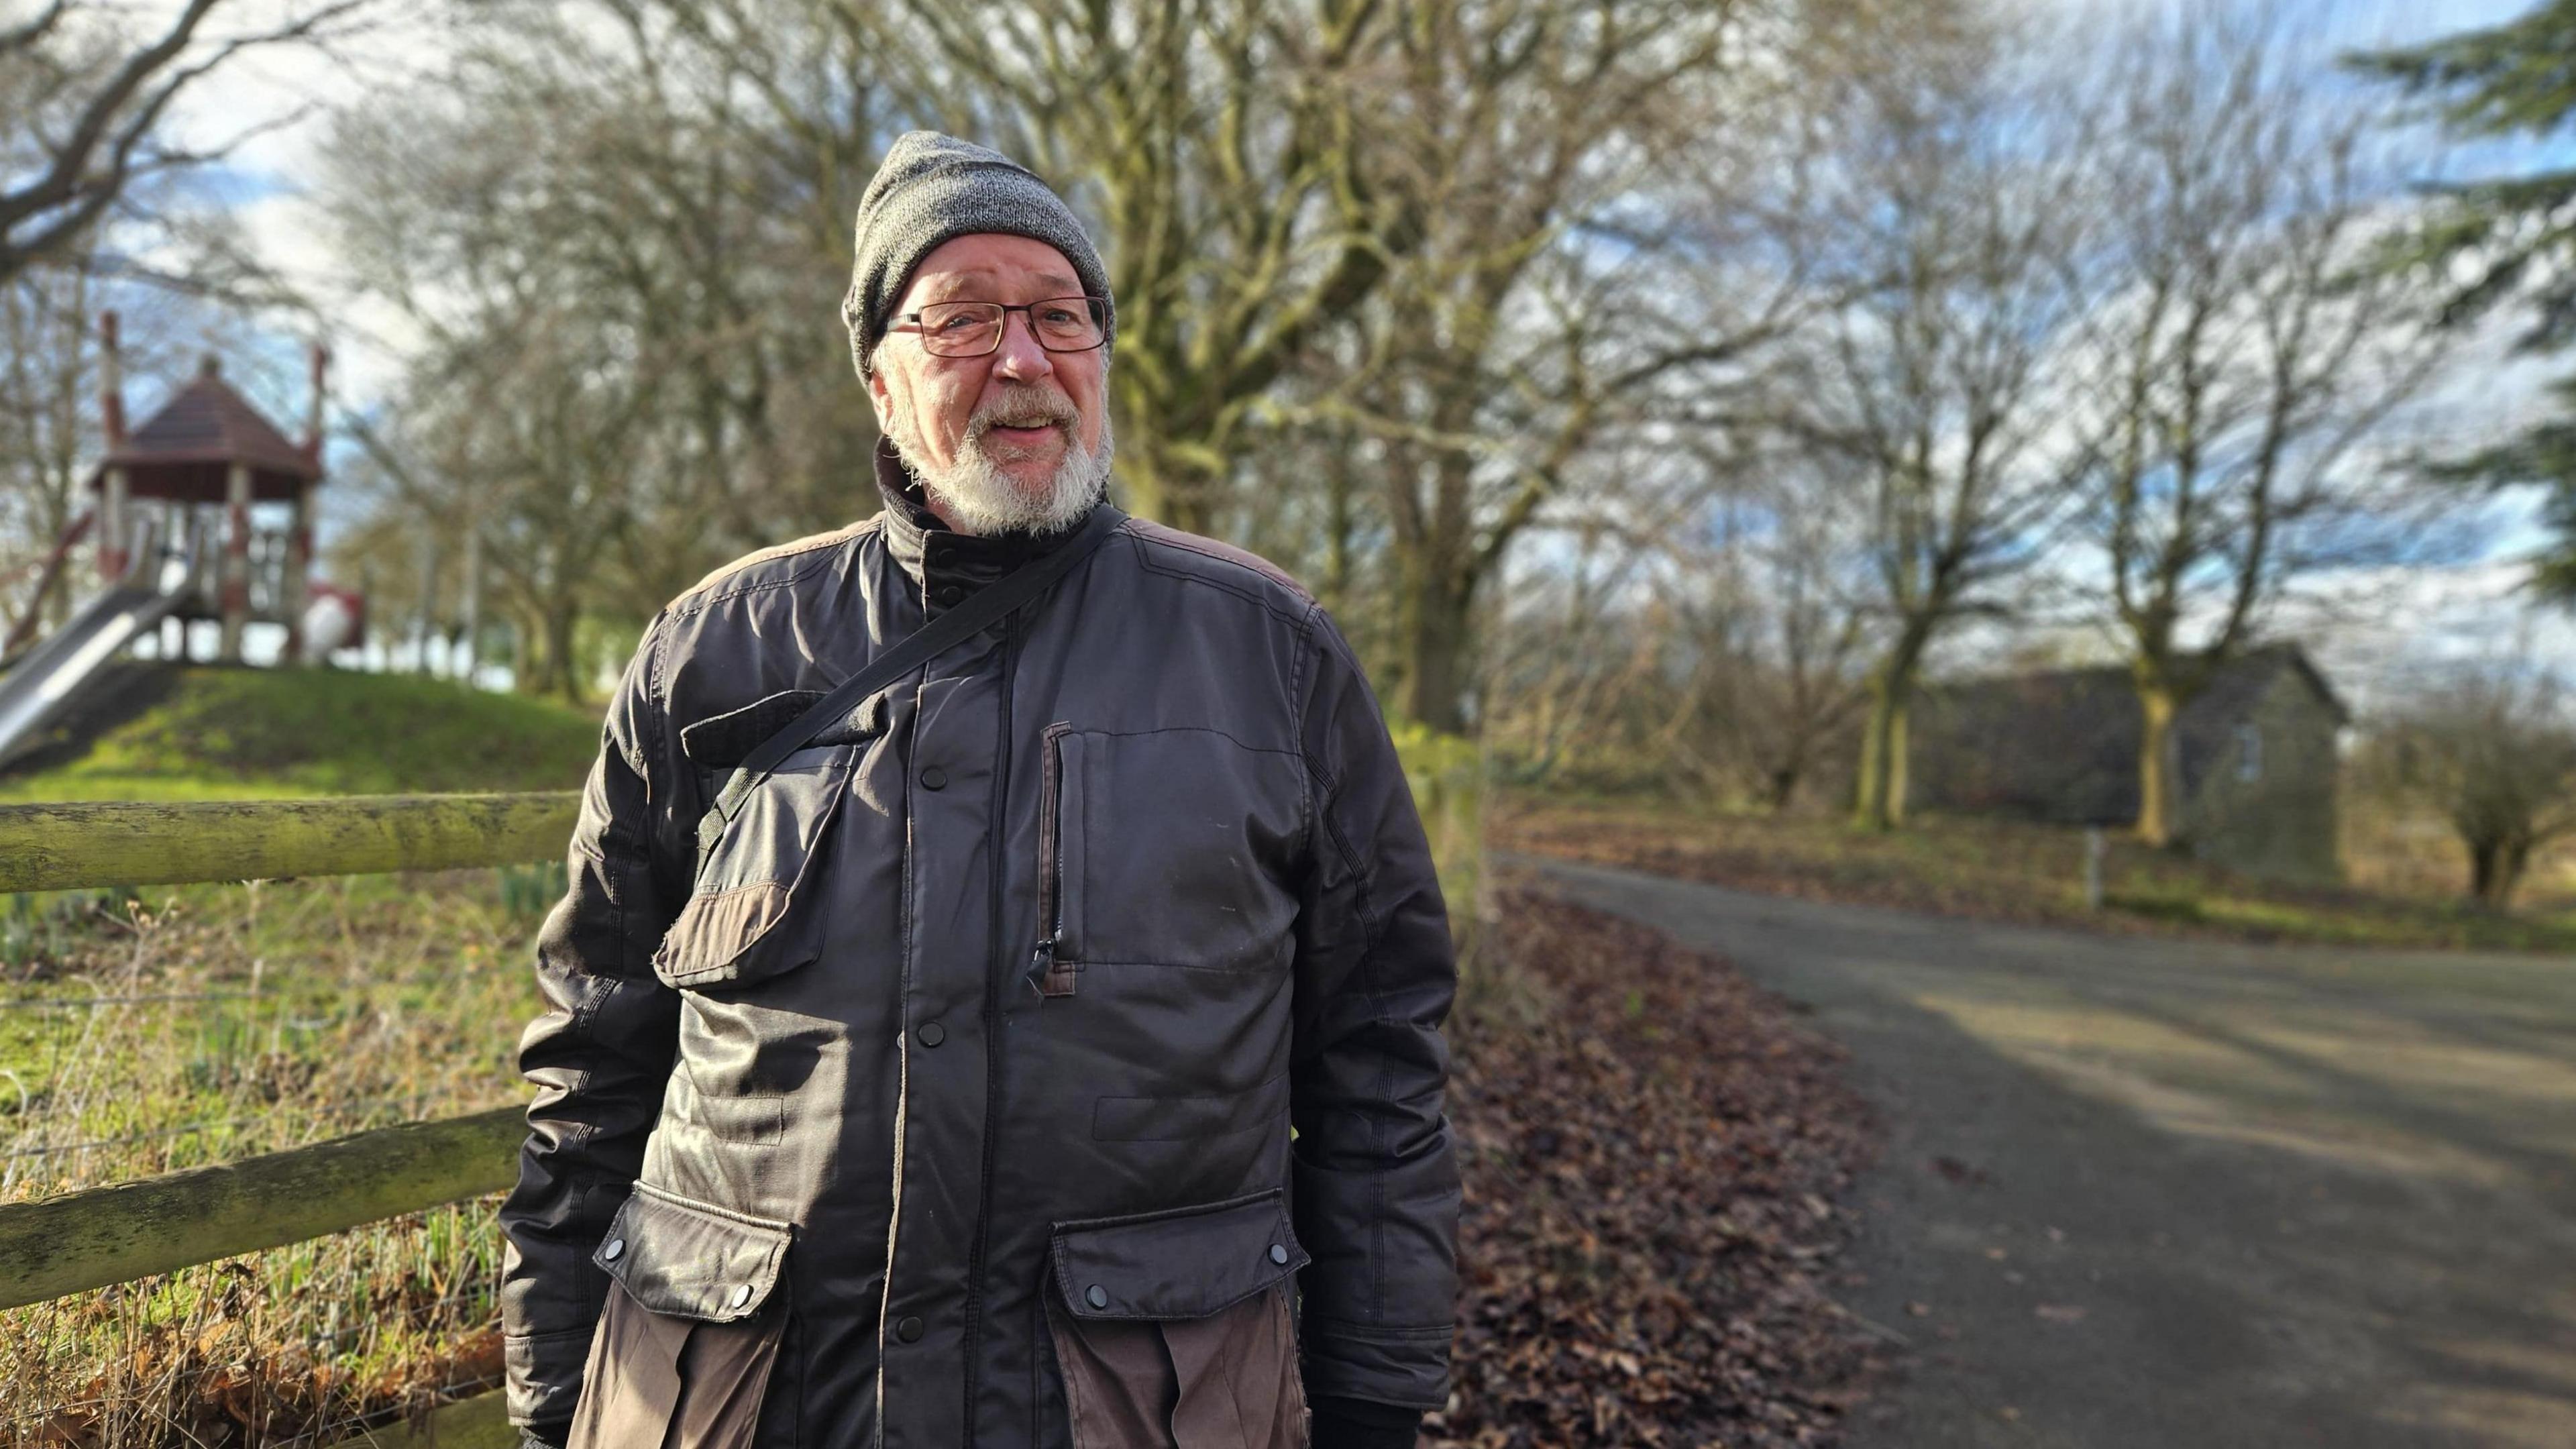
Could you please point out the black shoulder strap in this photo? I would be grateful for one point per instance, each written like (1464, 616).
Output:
(988, 606)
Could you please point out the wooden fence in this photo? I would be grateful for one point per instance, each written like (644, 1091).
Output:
(86, 1240)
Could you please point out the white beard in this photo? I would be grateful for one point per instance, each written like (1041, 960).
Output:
(973, 494)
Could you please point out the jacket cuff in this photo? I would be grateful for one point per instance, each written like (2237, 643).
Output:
(545, 1378)
(1364, 1424)
(1383, 1366)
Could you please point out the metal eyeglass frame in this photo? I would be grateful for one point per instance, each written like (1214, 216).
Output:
(1098, 306)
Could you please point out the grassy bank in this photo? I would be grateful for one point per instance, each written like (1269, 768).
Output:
(206, 733)
(144, 1031)
(2001, 870)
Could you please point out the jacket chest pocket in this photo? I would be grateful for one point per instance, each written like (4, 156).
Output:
(690, 1337)
(1166, 847)
(1172, 1330)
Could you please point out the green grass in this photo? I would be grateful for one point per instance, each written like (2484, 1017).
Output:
(246, 733)
(173, 1026)
(2004, 870)
(303, 1010)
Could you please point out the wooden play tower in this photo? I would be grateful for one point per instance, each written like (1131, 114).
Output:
(207, 450)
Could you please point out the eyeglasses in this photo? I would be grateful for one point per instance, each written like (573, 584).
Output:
(972, 329)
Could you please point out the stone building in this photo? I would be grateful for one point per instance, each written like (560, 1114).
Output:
(2255, 754)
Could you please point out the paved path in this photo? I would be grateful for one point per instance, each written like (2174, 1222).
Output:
(2182, 1195)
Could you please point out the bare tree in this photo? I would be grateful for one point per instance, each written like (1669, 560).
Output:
(616, 235)
(48, 423)
(1708, 640)
(2493, 747)
(1224, 146)
(2240, 360)
(1580, 649)
(1598, 274)
(1931, 389)
(1788, 683)
(533, 392)
(85, 106)
(1372, 254)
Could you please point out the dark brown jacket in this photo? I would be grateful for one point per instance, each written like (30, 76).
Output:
(958, 1079)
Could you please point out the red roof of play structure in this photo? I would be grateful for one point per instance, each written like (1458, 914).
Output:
(184, 450)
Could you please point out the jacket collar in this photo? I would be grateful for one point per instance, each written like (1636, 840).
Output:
(936, 558)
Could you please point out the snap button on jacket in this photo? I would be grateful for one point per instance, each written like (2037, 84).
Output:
(945, 1097)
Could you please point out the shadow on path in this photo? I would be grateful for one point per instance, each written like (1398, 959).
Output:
(2168, 1195)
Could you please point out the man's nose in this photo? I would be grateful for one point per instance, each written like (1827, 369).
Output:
(1019, 357)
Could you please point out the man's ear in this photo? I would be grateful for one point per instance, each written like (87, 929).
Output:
(883, 399)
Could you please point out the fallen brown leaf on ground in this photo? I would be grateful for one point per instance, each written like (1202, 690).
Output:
(1652, 1151)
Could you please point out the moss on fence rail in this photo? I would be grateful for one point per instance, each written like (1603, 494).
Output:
(116, 1234)
(74, 846)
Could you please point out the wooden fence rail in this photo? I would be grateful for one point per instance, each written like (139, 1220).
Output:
(105, 1235)
(119, 843)
(91, 1239)
(481, 1422)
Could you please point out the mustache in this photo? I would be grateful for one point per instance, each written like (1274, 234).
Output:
(1022, 407)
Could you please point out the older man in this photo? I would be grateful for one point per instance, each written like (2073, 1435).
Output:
(1042, 1050)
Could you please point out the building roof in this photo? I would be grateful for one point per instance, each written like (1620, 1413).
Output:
(2062, 744)
(184, 450)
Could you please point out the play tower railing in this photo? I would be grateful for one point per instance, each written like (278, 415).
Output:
(102, 1236)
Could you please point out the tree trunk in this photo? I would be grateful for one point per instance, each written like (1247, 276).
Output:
(1340, 524)
(1782, 788)
(1881, 805)
(1164, 488)
(1434, 642)
(1879, 794)
(543, 660)
(2160, 822)
(563, 674)
(2496, 865)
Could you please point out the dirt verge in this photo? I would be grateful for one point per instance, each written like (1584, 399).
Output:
(1652, 1149)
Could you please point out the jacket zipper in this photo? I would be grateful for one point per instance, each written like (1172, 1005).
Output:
(1042, 972)
(894, 1223)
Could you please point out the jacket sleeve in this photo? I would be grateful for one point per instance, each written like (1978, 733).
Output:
(598, 1055)
(1375, 1178)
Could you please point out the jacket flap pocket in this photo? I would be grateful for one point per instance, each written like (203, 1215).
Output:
(712, 940)
(758, 910)
(721, 741)
(1181, 1263)
(690, 1260)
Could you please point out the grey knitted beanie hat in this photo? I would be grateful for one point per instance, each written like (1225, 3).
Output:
(934, 187)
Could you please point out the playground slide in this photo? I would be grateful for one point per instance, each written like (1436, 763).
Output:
(44, 682)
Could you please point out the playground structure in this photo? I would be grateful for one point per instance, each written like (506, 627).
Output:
(182, 485)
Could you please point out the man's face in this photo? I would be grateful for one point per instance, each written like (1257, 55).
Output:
(1017, 438)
